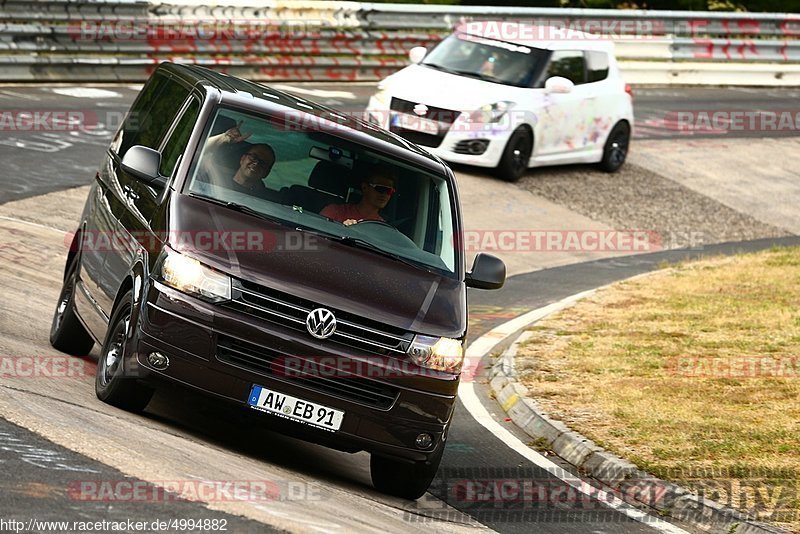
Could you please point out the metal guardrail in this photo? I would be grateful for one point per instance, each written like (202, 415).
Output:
(65, 10)
(736, 49)
(84, 40)
(677, 23)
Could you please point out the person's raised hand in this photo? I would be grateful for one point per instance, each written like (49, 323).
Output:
(235, 135)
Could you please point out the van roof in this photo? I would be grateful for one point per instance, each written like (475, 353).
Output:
(547, 37)
(234, 87)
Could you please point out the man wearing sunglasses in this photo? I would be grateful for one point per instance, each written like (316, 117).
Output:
(254, 165)
(377, 189)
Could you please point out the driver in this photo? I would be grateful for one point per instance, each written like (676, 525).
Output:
(377, 189)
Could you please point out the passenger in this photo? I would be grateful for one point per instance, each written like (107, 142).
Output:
(254, 165)
(377, 189)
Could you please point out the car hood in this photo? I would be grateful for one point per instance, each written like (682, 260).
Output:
(324, 271)
(450, 91)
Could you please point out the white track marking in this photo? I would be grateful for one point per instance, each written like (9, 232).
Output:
(318, 93)
(85, 92)
(37, 225)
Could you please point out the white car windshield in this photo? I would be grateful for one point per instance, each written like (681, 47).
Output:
(313, 179)
(487, 59)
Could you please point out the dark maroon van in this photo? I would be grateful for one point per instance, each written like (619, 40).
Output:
(277, 254)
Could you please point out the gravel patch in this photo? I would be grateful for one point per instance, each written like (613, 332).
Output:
(638, 199)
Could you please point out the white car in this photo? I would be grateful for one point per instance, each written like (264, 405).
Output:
(543, 96)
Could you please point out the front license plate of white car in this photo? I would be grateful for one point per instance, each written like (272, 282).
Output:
(290, 407)
(417, 124)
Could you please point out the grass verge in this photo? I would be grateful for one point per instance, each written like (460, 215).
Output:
(692, 373)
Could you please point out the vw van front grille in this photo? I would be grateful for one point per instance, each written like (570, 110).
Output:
(305, 373)
(289, 311)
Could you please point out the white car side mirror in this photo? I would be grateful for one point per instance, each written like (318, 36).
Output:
(558, 84)
(417, 53)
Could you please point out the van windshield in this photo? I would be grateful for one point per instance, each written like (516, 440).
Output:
(310, 179)
(487, 59)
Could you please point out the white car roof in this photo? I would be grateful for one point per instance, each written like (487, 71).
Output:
(537, 36)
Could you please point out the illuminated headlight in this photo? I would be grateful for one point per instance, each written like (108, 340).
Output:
(190, 276)
(491, 112)
(437, 353)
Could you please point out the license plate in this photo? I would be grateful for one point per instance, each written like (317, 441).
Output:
(296, 409)
(414, 123)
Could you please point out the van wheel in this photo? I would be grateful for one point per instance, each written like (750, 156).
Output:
(110, 383)
(514, 161)
(616, 148)
(402, 479)
(67, 334)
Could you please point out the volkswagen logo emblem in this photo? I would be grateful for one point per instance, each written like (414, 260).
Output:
(321, 323)
(420, 109)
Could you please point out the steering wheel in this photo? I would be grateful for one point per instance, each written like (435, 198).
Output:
(407, 242)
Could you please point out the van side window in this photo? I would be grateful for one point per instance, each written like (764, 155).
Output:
(568, 64)
(596, 66)
(151, 114)
(176, 144)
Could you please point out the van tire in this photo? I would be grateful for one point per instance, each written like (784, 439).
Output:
(111, 385)
(514, 161)
(67, 334)
(616, 148)
(403, 479)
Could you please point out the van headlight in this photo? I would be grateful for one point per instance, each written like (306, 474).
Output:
(190, 276)
(437, 353)
(491, 112)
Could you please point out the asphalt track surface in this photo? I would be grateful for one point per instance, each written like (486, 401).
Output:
(40, 478)
(41, 161)
(46, 161)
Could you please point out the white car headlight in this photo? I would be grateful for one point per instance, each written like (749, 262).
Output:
(190, 276)
(491, 112)
(437, 353)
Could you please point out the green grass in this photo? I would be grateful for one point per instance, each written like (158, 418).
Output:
(696, 367)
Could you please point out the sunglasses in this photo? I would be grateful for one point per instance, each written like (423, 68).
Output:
(383, 189)
(257, 159)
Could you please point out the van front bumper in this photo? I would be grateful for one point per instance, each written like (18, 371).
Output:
(395, 405)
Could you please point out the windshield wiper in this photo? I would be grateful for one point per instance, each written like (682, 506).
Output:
(241, 208)
(477, 75)
(467, 73)
(363, 243)
(439, 67)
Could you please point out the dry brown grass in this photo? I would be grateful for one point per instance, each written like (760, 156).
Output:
(692, 373)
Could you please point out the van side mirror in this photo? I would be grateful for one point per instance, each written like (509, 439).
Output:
(417, 53)
(488, 272)
(558, 84)
(143, 163)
